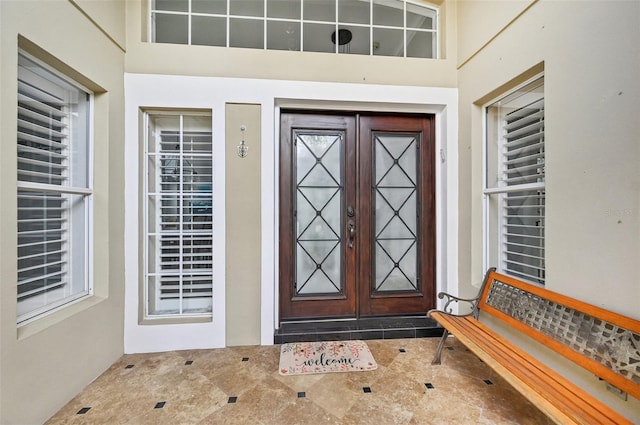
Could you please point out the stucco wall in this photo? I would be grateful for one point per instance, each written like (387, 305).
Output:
(243, 223)
(589, 53)
(590, 57)
(480, 21)
(49, 360)
(109, 17)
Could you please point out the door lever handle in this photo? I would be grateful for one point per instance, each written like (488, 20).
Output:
(351, 227)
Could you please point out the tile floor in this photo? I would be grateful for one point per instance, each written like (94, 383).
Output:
(241, 385)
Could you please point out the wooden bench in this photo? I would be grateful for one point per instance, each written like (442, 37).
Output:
(602, 342)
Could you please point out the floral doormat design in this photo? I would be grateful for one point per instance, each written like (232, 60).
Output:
(301, 358)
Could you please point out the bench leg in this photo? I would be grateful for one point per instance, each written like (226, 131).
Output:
(436, 359)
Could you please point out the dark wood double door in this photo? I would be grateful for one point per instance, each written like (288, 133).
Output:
(357, 215)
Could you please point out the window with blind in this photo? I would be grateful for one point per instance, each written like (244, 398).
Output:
(178, 214)
(53, 189)
(515, 183)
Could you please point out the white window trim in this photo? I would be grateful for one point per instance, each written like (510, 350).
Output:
(486, 191)
(147, 316)
(86, 192)
(146, 91)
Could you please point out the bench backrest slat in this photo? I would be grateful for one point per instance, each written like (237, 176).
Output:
(603, 342)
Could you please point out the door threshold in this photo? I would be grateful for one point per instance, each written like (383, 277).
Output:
(333, 319)
(366, 328)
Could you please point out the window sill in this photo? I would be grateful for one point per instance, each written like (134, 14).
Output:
(47, 320)
(176, 320)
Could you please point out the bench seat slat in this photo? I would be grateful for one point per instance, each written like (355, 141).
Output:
(557, 397)
(538, 377)
(527, 369)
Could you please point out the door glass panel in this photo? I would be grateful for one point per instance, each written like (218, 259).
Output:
(396, 225)
(319, 193)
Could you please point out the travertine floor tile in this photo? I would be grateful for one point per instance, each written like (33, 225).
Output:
(241, 385)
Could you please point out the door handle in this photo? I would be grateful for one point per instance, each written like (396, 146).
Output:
(351, 228)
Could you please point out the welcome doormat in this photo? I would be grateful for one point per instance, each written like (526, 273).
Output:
(301, 358)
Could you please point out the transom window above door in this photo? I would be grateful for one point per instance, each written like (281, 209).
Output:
(365, 27)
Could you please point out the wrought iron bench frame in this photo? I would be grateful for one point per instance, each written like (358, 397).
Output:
(605, 343)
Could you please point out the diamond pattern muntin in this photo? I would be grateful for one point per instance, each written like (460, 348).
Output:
(394, 167)
(318, 265)
(319, 192)
(395, 197)
(397, 275)
(396, 177)
(318, 249)
(396, 229)
(318, 160)
(399, 221)
(396, 213)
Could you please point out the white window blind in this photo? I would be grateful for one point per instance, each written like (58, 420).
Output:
(54, 190)
(179, 251)
(516, 182)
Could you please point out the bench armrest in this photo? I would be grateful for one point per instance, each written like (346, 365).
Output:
(448, 305)
(473, 302)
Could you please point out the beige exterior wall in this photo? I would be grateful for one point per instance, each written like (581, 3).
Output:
(480, 21)
(243, 224)
(47, 362)
(589, 53)
(109, 17)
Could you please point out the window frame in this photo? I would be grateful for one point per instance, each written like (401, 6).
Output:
(265, 19)
(147, 316)
(493, 195)
(85, 191)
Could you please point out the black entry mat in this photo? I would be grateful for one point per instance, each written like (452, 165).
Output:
(365, 328)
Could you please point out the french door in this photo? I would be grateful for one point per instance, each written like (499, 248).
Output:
(357, 215)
